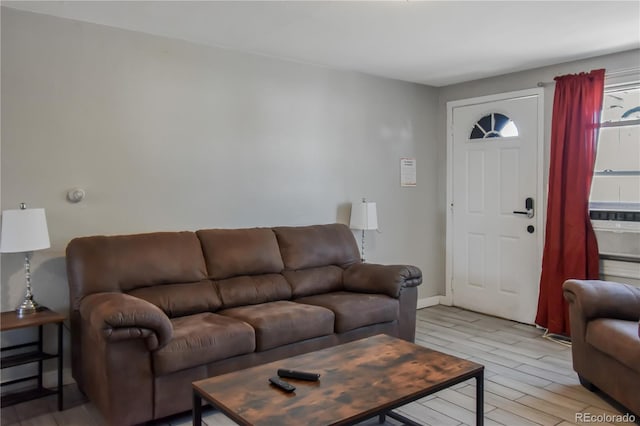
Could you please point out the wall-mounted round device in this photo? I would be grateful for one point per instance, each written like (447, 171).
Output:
(75, 195)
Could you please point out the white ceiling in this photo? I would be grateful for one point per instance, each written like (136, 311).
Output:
(431, 42)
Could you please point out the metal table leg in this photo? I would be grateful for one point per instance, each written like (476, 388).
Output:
(60, 365)
(197, 409)
(480, 398)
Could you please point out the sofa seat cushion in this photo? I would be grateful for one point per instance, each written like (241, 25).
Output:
(283, 322)
(203, 338)
(617, 338)
(355, 310)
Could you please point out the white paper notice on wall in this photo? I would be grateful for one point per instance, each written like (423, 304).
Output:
(408, 172)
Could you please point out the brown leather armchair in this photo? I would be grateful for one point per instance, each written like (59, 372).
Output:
(605, 338)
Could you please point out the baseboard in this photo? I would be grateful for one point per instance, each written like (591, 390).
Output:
(428, 301)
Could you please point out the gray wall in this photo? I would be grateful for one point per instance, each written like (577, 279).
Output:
(167, 135)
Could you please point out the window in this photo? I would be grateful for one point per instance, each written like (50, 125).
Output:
(494, 125)
(615, 192)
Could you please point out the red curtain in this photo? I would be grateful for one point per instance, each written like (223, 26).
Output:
(570, 249)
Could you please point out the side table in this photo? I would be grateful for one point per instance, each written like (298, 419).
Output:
(33, 352)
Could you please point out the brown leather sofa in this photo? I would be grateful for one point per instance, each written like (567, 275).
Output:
(605, 338)
(151, 313)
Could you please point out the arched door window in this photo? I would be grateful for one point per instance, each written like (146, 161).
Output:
(494, 125)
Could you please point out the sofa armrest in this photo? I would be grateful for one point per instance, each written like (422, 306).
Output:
(119, 316)
(384, 279)
(602, 299)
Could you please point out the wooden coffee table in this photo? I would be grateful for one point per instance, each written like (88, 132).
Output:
(359, 380)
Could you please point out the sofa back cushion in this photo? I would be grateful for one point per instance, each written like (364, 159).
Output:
(125, 262)
(236, 252)
(181, 299)
(253, 289)
(308, 282)
(306, 247)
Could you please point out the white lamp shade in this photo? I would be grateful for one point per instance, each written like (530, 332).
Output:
(23, 231)
(364, 216)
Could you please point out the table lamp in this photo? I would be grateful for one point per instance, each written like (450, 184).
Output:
(24, 231)
(364, 217)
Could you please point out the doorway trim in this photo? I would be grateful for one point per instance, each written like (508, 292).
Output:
(447, 299)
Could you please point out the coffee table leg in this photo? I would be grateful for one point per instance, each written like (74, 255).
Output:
(480, 398)
(382, 418)
(197, 409)
(60, 364)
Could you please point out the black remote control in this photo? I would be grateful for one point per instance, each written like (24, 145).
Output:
(287, 387)
(302, 375)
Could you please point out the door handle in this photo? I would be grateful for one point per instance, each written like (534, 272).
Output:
(528, 204)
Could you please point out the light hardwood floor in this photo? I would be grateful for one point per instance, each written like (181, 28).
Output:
(528, 381)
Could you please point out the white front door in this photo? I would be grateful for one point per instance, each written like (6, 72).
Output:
(495, 196)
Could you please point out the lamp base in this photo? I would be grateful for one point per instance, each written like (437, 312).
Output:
(28, 306)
